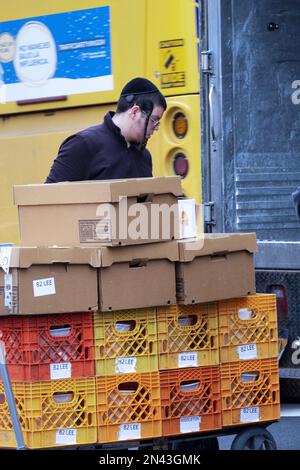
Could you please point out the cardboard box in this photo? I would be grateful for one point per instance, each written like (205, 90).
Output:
(49, 280)
(219, 266)
(93, 213)
(137, 276)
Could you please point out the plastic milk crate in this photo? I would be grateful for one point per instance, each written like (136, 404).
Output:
(190, 400)
(250, 391)
(187, 335)
(49, 347)
(125, 341)
(248, 328)
(128, 407)
(51, 413)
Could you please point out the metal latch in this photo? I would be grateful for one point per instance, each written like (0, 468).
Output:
(206, 66)
(209, 219)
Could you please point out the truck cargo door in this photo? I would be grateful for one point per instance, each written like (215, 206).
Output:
(252, 150)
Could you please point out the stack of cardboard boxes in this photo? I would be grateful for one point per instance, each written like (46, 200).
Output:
(131, 336)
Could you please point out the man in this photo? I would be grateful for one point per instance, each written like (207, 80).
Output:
(117, 147)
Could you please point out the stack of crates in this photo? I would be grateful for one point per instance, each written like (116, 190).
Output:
(218, 364)
(189, 368)
(50, 361)
(127, 378)
(248, 340)
(106, 377)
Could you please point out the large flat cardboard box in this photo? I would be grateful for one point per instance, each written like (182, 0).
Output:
(137, 276)
(219, 266)
(49, 280)
(94, 213)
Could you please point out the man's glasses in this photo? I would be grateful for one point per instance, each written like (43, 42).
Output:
(154, 122)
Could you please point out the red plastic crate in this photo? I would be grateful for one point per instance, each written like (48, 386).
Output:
(44, 347)
(250, 391)
(190, 400)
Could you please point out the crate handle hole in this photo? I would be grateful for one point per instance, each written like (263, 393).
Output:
(125, 326)
(65, 397)
(251, 376)
(62, 330)
(128, 387)
(187, 320)
(189, 385)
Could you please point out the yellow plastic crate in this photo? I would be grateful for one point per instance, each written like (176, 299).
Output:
(125, 341)
(52, 413)
(128, 407)
(248, 328)
(188, 336)
(250, 392)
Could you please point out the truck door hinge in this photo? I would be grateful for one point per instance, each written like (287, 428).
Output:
(209, 219)
(206, 62)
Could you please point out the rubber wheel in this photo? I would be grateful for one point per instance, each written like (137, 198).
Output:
(255, 438)
(211, 443)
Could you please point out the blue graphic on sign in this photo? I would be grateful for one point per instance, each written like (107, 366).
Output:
(43, 54)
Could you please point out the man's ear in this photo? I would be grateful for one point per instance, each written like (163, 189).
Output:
(134, 110)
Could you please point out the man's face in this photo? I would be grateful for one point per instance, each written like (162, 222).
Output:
(139, 117)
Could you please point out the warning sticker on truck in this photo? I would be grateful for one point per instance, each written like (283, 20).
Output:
(172, 63)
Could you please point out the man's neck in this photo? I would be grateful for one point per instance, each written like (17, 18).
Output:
(118, 121)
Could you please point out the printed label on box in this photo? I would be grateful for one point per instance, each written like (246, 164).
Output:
(5, 255)
(247, 351)
(249, 415)
(187, 218)
(188, 359)
(44, 287)
(190, 424)
(66, 436)
(91, 231)
(129, 431)
(8, 292)
(124, 365)
(62, 370)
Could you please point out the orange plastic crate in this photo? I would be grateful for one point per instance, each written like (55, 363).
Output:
(128, 407)
(248, 328)
(53, 413)
(125, 341)
(190, 400)
(44, 347)
(187, 336)
(250, 391)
